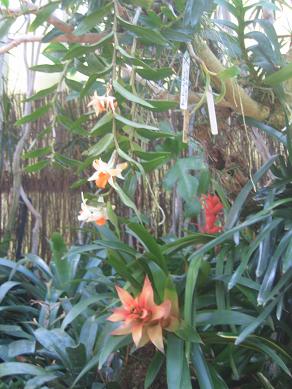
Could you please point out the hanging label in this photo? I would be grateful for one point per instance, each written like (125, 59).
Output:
(211, 110)
(185, 74)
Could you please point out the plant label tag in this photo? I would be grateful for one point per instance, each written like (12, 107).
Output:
(185, 74)
(211, 110)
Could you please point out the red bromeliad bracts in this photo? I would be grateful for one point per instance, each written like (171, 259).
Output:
(144, 319)
(212, 207)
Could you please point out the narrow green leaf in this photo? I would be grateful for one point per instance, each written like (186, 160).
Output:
(18, 368)
(174, 362)
(77, 309)
(43, 14)
(257, 322)
(140, 232)
(46, 68)
(91, 20)
(36, 167)
(192, 276)
(153, 369)
(278, 135)
(33, 116)
(42, 93)
(147, 34)
(236, 208)
(5, 288)
(131, 123)
(279, 76)
(37, 153)
(129, 95)
(201, 367)
(101, 145)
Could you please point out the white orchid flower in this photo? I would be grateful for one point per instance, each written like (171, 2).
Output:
(102, 103)
(106, 171)
(93, 214)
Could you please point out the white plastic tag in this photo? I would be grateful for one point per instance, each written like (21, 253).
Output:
(185, 74)
(211, 110)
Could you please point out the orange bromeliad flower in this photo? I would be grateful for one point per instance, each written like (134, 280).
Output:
(143, 318)
(212, 207)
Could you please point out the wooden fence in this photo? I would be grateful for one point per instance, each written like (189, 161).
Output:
(232, 155)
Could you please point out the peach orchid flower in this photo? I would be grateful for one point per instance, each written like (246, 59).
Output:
(106, 171)
(141, 317)
(93, 214)
(102, 103)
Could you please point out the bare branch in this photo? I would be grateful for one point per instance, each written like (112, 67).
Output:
(37, 224)
(89, 38)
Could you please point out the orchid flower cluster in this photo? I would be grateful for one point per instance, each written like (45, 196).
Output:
(105, 172)
(144, 319)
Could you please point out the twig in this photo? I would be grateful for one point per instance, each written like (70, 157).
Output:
(37, 224)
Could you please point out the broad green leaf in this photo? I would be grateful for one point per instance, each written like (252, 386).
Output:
(5, 288)
(111, 344)
(43, 14)
(153, 369)
(91, 20)
(129, 95)
(222, 317)
(38, 113)
(19, 368)
(21, 347)
(46, 68)
(38, 382)
(77, 309)
(101, 146)
(279, 76)
(174, 362)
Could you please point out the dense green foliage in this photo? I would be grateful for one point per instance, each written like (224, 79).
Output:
(233, 287)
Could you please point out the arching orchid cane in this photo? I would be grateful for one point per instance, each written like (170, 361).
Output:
(142, 318)
(93, 214)
(106, 171)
